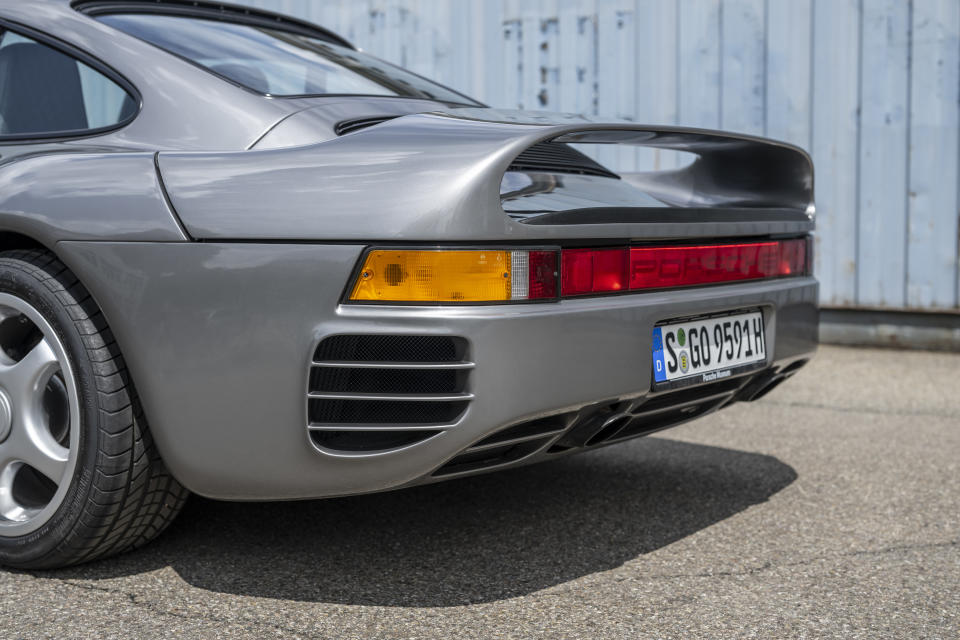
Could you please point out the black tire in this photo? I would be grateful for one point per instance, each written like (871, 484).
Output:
(120, 495)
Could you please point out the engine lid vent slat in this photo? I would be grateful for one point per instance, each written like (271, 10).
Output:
(349, 126)
(554, 157)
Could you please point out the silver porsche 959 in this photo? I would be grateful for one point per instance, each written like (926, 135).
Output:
(241, 258)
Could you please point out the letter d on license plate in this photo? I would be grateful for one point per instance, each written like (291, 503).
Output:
(708, 349)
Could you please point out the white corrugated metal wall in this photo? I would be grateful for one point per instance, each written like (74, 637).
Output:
(870, 87)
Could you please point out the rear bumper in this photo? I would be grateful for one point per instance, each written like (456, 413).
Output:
(219, 339)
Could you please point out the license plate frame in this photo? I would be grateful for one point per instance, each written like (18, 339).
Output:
(717, 368)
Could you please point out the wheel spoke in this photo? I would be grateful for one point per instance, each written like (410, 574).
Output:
(38, 418)
(32, 444)
(30, 441)
(10, 509)
(25, 379)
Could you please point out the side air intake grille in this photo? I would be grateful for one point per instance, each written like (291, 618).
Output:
(417, 349)
(349, 126)
(382, 392)
(555, 157)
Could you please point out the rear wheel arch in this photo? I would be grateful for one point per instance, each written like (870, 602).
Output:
(121, 494)
(10, 240)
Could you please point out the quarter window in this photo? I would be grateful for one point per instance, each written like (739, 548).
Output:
(45, 92)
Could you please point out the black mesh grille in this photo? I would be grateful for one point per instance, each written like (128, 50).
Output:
(384, 411)
(336, 371)
(386, 380)
(368, 440)
(554, 157)
(382, 348)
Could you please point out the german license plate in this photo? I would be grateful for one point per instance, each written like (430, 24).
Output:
(708, 349)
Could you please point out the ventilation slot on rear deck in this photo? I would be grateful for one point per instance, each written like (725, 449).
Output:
(554, 157)
(349, 126)
(383, 392)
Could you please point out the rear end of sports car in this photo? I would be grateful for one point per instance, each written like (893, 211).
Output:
(285, 269)
(591, 365)
(450, 293)
(489, 355)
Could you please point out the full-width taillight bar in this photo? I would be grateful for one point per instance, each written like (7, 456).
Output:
(593, 271)
(509, 275)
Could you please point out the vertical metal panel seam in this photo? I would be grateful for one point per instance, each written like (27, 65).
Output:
(811, 81)
(720, 63)
(856, 195)
(595, 23)
(676, 54)
(766, 64)
(956, 269)
(906, 159)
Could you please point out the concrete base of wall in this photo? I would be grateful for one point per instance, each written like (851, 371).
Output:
(896, 329)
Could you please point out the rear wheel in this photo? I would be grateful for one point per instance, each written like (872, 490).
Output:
(79, 475)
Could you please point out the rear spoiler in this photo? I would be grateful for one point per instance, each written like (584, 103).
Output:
(436, 177)
(730, 170)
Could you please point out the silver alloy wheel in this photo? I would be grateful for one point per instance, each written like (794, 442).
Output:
(39, 418)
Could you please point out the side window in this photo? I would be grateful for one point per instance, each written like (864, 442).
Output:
(45, 92)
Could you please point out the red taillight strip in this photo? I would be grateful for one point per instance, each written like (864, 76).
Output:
(584, 271)
(542, 275)
(593, 271)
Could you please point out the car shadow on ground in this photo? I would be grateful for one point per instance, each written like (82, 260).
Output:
(473, 540)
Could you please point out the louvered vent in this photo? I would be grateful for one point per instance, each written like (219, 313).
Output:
(349, 126)
(555, 157)
(381, 392)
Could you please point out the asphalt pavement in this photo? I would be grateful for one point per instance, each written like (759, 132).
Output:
(828, 509)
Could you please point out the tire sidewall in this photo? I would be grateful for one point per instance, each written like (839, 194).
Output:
(16, 278)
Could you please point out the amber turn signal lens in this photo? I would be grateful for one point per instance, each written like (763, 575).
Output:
(434, 276)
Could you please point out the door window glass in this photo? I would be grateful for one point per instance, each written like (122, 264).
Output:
(44, 92)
